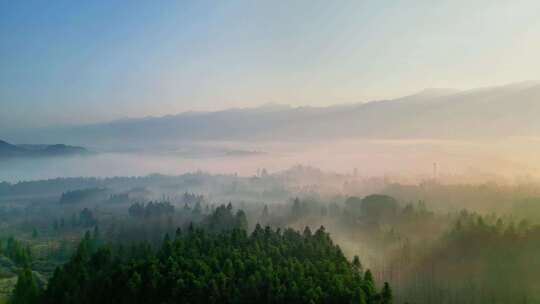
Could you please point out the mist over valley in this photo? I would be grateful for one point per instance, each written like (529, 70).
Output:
(238, 152)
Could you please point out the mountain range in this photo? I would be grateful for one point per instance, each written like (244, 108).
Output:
(510, 110)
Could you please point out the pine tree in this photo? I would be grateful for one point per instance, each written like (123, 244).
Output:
(357, 264)
(386, 294)
(369, 284)
(26, 290)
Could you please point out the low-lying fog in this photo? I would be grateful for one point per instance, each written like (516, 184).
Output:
(406, 160)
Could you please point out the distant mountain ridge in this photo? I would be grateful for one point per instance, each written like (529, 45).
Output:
(10, 150)
(510, 110)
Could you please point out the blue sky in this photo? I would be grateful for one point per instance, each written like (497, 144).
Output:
(64, 62)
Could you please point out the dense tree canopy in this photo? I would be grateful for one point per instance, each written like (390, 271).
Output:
(198, 266)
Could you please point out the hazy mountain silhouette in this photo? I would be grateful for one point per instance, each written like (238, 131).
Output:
(7, 149)
(511, 110)
(10, 150)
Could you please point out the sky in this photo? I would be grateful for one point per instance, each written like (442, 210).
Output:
(73, 62)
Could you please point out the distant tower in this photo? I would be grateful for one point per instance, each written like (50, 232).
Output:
(355, 172)
(434, 171)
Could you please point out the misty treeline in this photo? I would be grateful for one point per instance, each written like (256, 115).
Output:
(277, 187)
(433, 243)
(429, 257)
(480, 259)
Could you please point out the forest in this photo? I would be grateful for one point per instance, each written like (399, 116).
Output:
(288, 237)
(216, 261)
